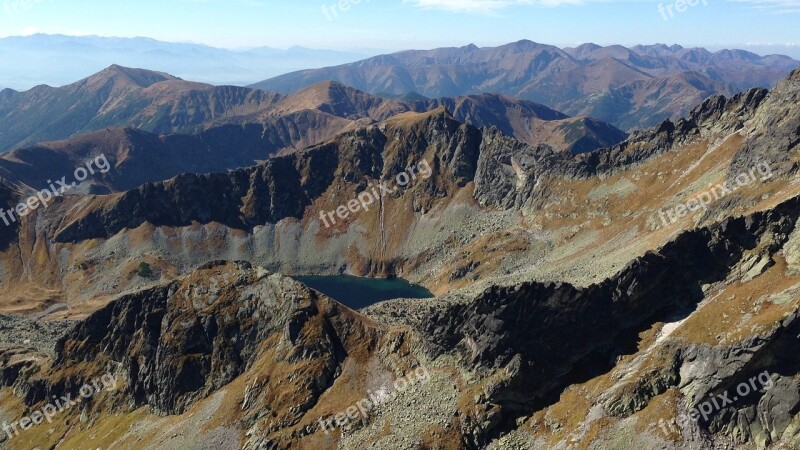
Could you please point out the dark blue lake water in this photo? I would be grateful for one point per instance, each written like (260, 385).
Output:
(358, 293)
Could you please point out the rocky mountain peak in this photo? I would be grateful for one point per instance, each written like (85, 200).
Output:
(795, 75)
(128, 76)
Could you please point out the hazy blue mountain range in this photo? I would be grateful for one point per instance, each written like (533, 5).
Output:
(56, 60)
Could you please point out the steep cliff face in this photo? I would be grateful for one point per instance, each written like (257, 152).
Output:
(180, 342)
(284, 187)
(544, 337)
(8, 232)
(773, 133)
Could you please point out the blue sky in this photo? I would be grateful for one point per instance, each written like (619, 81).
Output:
(402, 24)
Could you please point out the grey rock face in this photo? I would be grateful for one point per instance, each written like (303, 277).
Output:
(775, 130)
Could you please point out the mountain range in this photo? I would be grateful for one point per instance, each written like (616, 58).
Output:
(153, 126)
(630, 88)
(567, 311)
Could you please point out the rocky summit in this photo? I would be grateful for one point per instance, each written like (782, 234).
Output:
(592, 289)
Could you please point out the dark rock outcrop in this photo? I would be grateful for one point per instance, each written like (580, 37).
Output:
(177, 343)
(547, 336)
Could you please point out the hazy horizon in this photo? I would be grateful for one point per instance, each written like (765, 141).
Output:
(402, 24)
(200, 62)
(232, 33)
(760, 49)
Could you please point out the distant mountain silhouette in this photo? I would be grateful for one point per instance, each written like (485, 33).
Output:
(631, 88)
